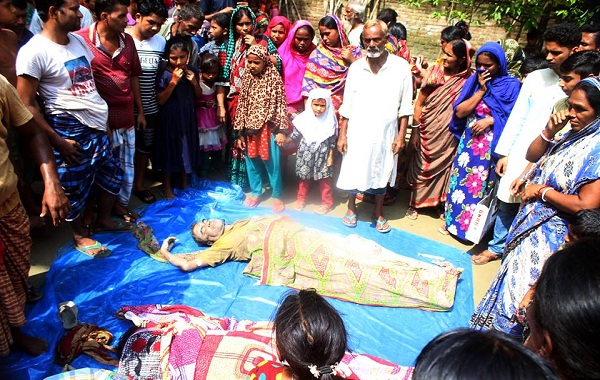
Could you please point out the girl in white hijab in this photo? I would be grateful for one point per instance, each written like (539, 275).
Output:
(317, 128)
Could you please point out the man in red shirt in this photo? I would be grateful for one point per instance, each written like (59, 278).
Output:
(116, 67)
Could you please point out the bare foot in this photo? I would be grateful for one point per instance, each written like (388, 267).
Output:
(484, 257)
(168, 193)
(29, 344)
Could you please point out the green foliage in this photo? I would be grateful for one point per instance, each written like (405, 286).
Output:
(512, 13)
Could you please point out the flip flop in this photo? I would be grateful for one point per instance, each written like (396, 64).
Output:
(67, 314)
(383, 226)
(97, 245)
(128, 216)
(349, 220)
(145, 196)
(412, 213)
(120, 227)
(442, 230)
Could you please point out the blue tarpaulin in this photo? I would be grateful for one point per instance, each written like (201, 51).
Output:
(129, 277)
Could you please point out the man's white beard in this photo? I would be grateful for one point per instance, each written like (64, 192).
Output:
(375, 53)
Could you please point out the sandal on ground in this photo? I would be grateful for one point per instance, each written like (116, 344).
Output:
(412, 213)
(349, 220)
(128, 216)
(322, 210)
(442, 230)
(383, 226)
(278, 206)
(102, 253)
(299, 206)
(121, 226)
(251, 201)
(67, 314)
(145, 196)
(484, 257)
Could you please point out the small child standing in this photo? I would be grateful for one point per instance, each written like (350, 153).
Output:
(211, 135)
(317, 126)
(177, 131)
(218, 34)
(262, 123)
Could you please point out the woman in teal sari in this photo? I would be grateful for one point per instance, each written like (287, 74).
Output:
(563, 181)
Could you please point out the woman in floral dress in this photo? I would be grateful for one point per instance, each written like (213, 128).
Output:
(480, 114)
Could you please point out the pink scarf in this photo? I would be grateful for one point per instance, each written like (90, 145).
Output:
(294, 63)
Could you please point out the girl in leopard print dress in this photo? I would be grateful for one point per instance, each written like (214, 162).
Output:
(261, 122)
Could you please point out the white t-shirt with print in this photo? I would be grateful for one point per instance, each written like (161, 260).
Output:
(66, 83)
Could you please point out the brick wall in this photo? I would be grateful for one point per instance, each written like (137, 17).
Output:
(423, 29)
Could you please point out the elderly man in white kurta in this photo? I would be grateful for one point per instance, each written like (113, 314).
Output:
(377, 103)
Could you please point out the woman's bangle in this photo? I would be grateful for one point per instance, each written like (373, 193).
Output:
(547, 189)
(541, 190)
(416, 126)
(544, 137)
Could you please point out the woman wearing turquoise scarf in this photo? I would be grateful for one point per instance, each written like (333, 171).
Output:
(563, 181)
(232, 62)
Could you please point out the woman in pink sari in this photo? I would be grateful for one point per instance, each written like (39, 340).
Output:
(294, 53)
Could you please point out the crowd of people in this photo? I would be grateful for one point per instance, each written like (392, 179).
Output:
(96, 93)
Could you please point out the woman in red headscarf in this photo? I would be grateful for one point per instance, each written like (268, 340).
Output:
(278, 30)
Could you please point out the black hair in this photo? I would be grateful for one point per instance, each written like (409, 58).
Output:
(567, 308)
(452, 33)
(190, 11)
(310, 30)
(470, 354)
(490, 56)
(583, 63)
(592, 93)
(592, 29)
(176, 42)
(398, 30)
(148, 7)
(209, 62)
(43, 7)
(108, 6)
(237, 16)
(388, 15)
(222, 19)
(565, 35)
(585, 224)
(19, 4)
(328, 22)
(465, 27)
(533, 63)
(309, 332)
(459, 49)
